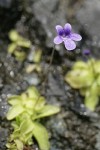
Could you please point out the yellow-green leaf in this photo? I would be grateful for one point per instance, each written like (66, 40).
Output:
(24, 43)
(79, 79)
(12, 47)
(47, 110)
(14, 112)
(19, 144)
(37, 56)
(97, 66)
(91, 98)
(13, 35)
(91, 102)
(14, 100)
(20, 55)
(41, 135)
(32, 92)
(80, 65)
(26, 126)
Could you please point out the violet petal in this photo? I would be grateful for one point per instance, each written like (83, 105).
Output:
(58, 40)
(60, 30)
(75, 37)
(69, 44)
(86, 51)
(67, 28)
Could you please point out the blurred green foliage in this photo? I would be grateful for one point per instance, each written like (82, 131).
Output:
(17, 45)
(25, 112)
(36, 61)
(85, 76)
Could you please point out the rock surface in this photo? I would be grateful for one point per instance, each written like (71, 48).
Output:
(5, 3)
(88, 15)
(71, 129)
(45, 12)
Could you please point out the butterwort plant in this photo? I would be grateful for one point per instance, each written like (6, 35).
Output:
(25, 112)
(66, 36)
(85, 76)
(18, 45)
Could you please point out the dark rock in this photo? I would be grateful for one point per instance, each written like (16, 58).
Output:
(50, 13)
(3, 138)
(10, 12)
(88, 15)
(97, 124)
(58, 125)
(78, 107)
(32, 79)
(11, 81)
(5, 3)
(56, 88)
(97, 146)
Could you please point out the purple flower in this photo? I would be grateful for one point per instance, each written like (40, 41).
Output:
(65, 35)
(86, 52)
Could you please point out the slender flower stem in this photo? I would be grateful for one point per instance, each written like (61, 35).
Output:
(50, 63)
(44, 82)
